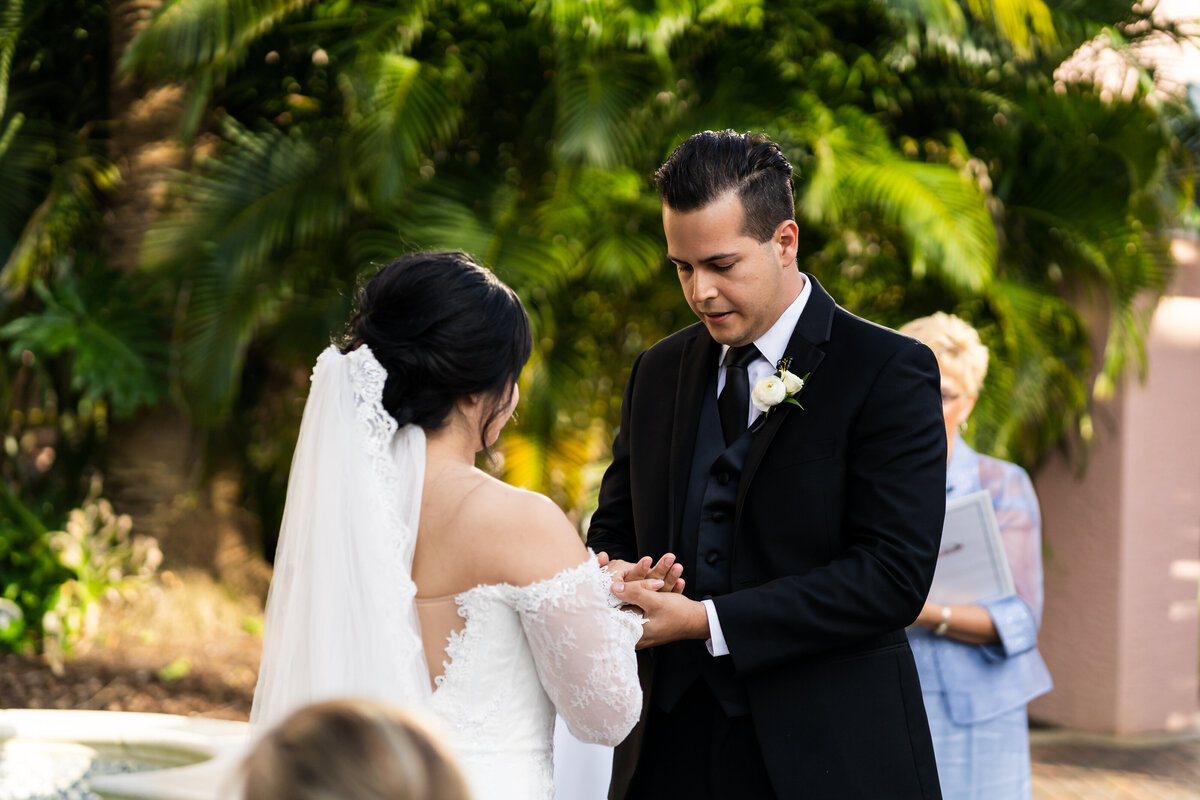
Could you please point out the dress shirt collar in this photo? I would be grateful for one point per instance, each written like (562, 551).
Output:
(772, 345)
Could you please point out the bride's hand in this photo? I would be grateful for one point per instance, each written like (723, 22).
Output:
(666, 570)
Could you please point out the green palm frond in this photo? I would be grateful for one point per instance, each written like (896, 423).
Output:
(1124, 144)
(222, 314)
(597, 100)
(652, 29)
(1025, 26)
(402, 117)
(203, 42)
(111, 332)
(376, 28)
(21, 176)
(1097, 216)
(942, 213)
(270, 193)
(445, 216)
(372, 247)
(942, 19)
(607, 224)
(1036, 389)
(77, 187)
(1141, 266)
(189, 36)
(12, 126)
(487, 220)
(269, 190)
(624, 258)
(548, 449)
(10, 28)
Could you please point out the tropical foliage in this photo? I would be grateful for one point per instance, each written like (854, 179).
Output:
(80, 341)
(941, 165)
(51, 581)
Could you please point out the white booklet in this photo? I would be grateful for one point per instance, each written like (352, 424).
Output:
(971, 567)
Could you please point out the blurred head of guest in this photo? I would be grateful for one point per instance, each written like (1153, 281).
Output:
(350, 750)
(962, 359)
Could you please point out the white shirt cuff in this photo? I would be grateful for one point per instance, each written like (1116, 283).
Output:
(716, 643)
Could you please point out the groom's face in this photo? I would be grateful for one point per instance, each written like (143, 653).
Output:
(737, 285)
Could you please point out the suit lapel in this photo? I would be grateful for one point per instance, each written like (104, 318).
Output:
(804, 349)
(697, 374)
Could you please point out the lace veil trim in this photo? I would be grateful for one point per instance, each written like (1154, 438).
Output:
(341, 618)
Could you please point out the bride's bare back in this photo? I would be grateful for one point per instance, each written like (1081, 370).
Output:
(476, 530)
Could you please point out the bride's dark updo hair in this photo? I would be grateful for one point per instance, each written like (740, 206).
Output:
(444, 328)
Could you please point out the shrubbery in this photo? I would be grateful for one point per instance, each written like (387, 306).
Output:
(50, 581)
(30, 574)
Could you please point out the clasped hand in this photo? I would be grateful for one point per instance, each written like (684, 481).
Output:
(657, 591)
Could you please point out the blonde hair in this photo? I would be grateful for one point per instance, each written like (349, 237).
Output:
(350, 750)
(956, 344)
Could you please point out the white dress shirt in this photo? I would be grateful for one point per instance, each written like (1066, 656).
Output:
(772, 346)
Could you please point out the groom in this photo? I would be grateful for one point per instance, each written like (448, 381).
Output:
(807, 535)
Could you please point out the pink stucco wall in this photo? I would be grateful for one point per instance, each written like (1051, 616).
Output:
(1081, 535)
(1120, 632)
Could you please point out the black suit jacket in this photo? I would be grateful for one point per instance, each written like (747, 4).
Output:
(838, 522)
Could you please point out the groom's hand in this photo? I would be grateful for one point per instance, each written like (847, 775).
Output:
(666, 570)
(669, 615)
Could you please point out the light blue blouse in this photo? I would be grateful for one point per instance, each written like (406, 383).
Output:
(980, 682)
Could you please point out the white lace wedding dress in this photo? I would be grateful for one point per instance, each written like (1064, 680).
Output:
(343, 618)
(523, 653)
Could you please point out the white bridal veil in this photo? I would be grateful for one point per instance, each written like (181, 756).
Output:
(341, 620)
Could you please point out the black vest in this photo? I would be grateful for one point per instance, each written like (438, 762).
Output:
(705, 549)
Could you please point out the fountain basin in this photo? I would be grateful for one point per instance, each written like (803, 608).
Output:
(115, 755)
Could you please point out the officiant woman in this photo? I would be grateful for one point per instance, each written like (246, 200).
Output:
(979, 664)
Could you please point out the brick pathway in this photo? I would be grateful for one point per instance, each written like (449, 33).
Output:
(1074, 766)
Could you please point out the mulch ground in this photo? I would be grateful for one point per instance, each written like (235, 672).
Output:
(98, 684)
(184, 645)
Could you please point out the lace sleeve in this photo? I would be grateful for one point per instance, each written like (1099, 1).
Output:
(584, 652)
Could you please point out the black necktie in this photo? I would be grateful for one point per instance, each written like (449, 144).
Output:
(734, 400)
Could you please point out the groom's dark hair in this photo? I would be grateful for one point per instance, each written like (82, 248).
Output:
(710, 164)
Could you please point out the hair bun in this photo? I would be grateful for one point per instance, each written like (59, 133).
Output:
(444, 328)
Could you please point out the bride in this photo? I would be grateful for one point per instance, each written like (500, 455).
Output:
(407, 575)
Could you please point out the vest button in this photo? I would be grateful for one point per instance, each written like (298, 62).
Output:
(722, 478)
(712, 557)
(718, 517)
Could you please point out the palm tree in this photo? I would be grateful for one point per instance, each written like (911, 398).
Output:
(80, 345)
(1084, 191)
(87, 334)
(929, 135)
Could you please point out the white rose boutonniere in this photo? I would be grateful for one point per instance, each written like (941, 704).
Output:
(782, 387)
(768, 392)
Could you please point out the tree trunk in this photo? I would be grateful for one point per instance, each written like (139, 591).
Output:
(153, 461)
(144, 144)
